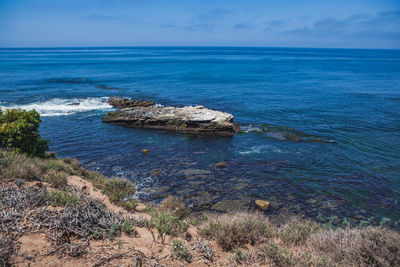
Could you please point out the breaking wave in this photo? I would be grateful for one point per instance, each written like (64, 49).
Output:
(63, 107)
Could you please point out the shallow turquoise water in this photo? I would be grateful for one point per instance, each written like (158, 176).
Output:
(343, 103)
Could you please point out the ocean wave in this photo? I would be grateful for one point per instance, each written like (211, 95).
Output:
(64, 107)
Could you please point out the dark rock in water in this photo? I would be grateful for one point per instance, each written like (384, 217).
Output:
(145, 151)
(106, 87)
(117, 102)
(74, 104)
(221, 164)
(157, 172)
(195, 172)
(292, 137)
(188, 119)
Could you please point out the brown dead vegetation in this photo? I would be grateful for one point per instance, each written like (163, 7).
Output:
(84, 219)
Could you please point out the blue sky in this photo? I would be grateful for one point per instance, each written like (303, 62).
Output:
(288, 23)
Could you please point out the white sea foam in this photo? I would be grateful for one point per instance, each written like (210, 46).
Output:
(262, 149)
(63, 107)
(250, 128)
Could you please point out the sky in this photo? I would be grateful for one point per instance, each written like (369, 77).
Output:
(266, 23)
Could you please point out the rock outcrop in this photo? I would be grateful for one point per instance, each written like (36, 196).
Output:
(188, 119)
(117, 102)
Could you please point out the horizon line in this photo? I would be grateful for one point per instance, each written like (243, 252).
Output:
(186, 46)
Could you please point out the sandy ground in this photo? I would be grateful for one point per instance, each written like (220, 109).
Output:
(122, 251)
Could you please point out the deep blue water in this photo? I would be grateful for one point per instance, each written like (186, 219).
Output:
(343, 103)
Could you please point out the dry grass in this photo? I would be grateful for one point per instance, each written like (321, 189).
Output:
(371, 246)
(296, 242)
(236, 230)
(300, 242)
(296, 230)
(56, 171)
(17, 166)
(175, 206)
(58, 179)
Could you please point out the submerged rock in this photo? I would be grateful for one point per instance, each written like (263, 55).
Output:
(221, 164)
(189, 119)
(262, 204)
(157, 172)
(292, 137)
(145, 151)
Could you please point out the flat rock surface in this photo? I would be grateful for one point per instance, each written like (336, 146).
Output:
(194, 119)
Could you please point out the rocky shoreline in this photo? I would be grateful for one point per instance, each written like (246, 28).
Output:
(76, 217)
(187, 119)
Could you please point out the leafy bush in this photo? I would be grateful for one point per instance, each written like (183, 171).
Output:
(19, 131)
(127, 227)
(237, 229)
(238, 256)
(114, 229)
(166, 224)
(75, 165)
(118, 190)
(54, 165)
(180, 251)
(62, 198)
(97, 179)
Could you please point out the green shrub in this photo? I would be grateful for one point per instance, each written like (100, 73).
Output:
(180, 251)
(53, 165)
(114, 229)
(97, 179)
(118, 190)
(150, 209)
(297, 230)
(75, 165)
(95, 234)
(62, 198)
(237, 229)
(194, 221)
(19, 131)
(166, 224)
(127, 227)
(129, 205)
(238, 256)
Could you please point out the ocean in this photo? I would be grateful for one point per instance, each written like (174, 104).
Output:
(344, 105)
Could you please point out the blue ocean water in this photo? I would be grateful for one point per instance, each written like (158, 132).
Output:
(344, 104)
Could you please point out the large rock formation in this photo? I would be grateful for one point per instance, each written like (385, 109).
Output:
(189, 119)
